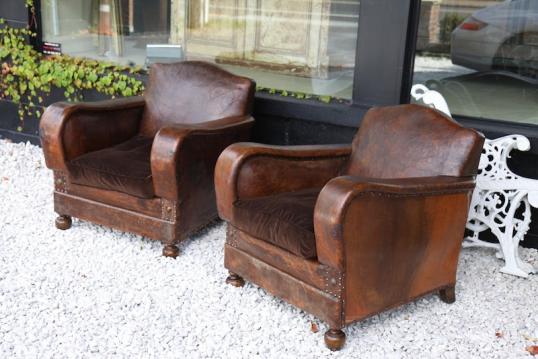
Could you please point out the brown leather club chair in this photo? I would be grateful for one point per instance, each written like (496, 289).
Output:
(347, 231)
(146, 164)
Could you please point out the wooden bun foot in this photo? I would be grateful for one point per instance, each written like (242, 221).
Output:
(448, 295)
(63, 222)
(170, 250)
(235, 280)
(335, 339)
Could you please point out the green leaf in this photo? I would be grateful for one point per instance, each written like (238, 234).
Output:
(30, 73)
(92, 77)
(127, 92)
(122, 85)
(325, 99)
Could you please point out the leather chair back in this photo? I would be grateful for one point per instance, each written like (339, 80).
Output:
(193, 92)
(413, 141)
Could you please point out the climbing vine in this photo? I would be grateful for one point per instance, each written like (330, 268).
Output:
(28, 75)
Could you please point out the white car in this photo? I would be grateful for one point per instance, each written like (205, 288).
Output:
(499, 37)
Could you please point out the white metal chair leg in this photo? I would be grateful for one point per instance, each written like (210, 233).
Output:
(511, 255)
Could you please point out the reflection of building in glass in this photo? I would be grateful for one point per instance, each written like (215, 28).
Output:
(312, 39)
(117, 30)
(438, 18)
(303, 46)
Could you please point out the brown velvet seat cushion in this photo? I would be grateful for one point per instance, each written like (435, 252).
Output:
(285, 220)
(124, 168)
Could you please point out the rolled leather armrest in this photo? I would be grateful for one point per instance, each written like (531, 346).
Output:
(184, 156)
(248, 170)
(382, 203)
(68, 130)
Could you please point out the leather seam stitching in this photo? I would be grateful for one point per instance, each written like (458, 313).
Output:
(417, 194)
(296, 158)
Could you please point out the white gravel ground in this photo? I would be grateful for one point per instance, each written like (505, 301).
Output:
(96, 292)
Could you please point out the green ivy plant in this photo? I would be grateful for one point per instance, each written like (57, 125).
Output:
(301, 95)
(28, 75)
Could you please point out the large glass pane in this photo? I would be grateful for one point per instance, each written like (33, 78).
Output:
(292, 46)
(482, 55)
(114, 30)
(303, 46)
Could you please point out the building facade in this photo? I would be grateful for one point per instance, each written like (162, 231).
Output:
(319, 64)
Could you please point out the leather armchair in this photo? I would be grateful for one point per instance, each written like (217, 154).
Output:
(347, 231)
(146, 164)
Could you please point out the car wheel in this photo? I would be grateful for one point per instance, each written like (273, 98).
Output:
(519, 54)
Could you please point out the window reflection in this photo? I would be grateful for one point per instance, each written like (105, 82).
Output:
(115, 30)
(482, 56)
(298, 46)
(305, 46)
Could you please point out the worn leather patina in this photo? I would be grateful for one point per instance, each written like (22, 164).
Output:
(388, 222)
(146, 164)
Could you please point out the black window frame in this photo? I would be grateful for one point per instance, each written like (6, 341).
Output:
(386, 39)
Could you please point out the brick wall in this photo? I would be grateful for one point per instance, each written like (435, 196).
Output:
(428, 31)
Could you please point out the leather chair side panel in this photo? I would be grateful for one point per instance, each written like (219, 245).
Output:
(196, 172)
(399, 247)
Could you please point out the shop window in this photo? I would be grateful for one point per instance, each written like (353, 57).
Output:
(305, 46)
(113, 30)
(482, 56)
(300, 46)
